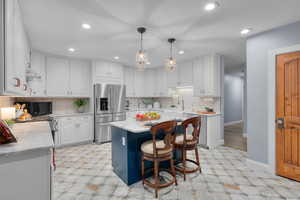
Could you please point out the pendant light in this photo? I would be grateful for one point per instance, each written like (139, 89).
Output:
(141, 56)
(171, 62)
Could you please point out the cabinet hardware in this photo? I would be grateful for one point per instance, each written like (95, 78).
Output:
(123, 141)
(18, 82)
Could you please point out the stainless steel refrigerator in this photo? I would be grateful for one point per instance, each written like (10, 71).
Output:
(109, 106)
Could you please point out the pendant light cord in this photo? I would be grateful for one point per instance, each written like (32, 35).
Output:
(141, 42)
(171, 52)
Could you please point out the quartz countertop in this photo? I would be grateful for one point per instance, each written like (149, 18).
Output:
(30, 136)
(131, 125)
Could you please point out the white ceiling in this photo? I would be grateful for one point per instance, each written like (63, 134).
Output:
(55, 25)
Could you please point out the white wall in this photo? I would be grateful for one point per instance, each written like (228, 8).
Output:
(258, 47)
(233, 97)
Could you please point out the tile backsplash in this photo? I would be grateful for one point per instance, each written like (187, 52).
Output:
(59, 105)
(6, 101)
(191, 103)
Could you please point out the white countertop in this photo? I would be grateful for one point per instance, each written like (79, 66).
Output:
(30, 136)
(70, 114)
(131, 125)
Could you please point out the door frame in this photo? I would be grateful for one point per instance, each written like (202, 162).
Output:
(272, 102)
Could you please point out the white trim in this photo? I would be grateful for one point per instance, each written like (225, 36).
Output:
(272, 102)
(244, 134)
(258, 165)
(232, 123)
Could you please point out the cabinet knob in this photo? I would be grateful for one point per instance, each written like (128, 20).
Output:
(17, 82)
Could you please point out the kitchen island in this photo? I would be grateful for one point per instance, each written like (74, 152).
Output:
(127, 138)
(25, 166)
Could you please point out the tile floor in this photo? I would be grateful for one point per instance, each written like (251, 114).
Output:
(233, 137)
(85, 173)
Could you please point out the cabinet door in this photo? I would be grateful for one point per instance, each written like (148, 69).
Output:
(198, 80)
(101, 69)
(57, 76)
(149, 83)
(79, 78)
(16, 49)
(161, 83)
(67, 131)
(84, 128)
(38, 86)
(129, 81)
(116, 70)
(139, 84)
(172, 78)
(185, 74)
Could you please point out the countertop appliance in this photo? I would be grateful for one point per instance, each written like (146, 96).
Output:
(38, 108)
(109, 106)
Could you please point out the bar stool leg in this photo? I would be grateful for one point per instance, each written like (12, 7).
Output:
(143, 170)
(197, 159)
(173, 170)
(156, 177)
(184, 163)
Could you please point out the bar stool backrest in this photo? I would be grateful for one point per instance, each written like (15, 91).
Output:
(168, 130)
(195, 122)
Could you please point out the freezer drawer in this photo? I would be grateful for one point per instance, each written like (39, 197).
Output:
(103, 118)
(119, 117)
(102, 133)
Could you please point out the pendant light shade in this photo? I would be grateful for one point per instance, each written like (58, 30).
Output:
(171, 62)
(141, 55)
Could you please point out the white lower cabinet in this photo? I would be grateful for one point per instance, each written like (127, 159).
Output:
(210, 134)
(75, 129)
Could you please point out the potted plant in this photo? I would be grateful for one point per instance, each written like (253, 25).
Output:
(80, 104)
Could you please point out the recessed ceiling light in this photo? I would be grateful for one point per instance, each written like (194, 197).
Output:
(148, 63)
(86, 26)
(181, 52)
(71, 49)
(211, 6)
(116, 57)
(245, 31)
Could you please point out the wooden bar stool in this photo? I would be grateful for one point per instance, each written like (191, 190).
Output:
(157, 151)
(189, 142)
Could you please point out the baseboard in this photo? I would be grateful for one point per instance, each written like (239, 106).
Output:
(232, 123)
(258, 165)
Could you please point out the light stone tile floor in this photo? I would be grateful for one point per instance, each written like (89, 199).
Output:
(85, 173)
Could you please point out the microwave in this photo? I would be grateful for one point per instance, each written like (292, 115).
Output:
(38, 108)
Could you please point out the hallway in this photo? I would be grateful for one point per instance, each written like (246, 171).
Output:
(233, 137)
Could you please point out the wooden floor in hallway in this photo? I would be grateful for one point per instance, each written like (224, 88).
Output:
(233, 137)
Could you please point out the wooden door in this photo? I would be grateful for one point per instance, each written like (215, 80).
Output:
(288, 116)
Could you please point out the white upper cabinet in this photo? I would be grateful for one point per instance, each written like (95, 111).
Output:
(79, 78)
(107, 72)
(185, 74)
(139, 85)
(57, 76)
(172, 78)
(150, 81)
(129, 81)
(67, 78)
(161, 83)
(17, 50)
(207, 76)
(38, 66)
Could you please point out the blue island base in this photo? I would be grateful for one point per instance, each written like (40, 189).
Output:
(126, 154)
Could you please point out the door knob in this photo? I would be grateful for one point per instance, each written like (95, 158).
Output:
(280, 123)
